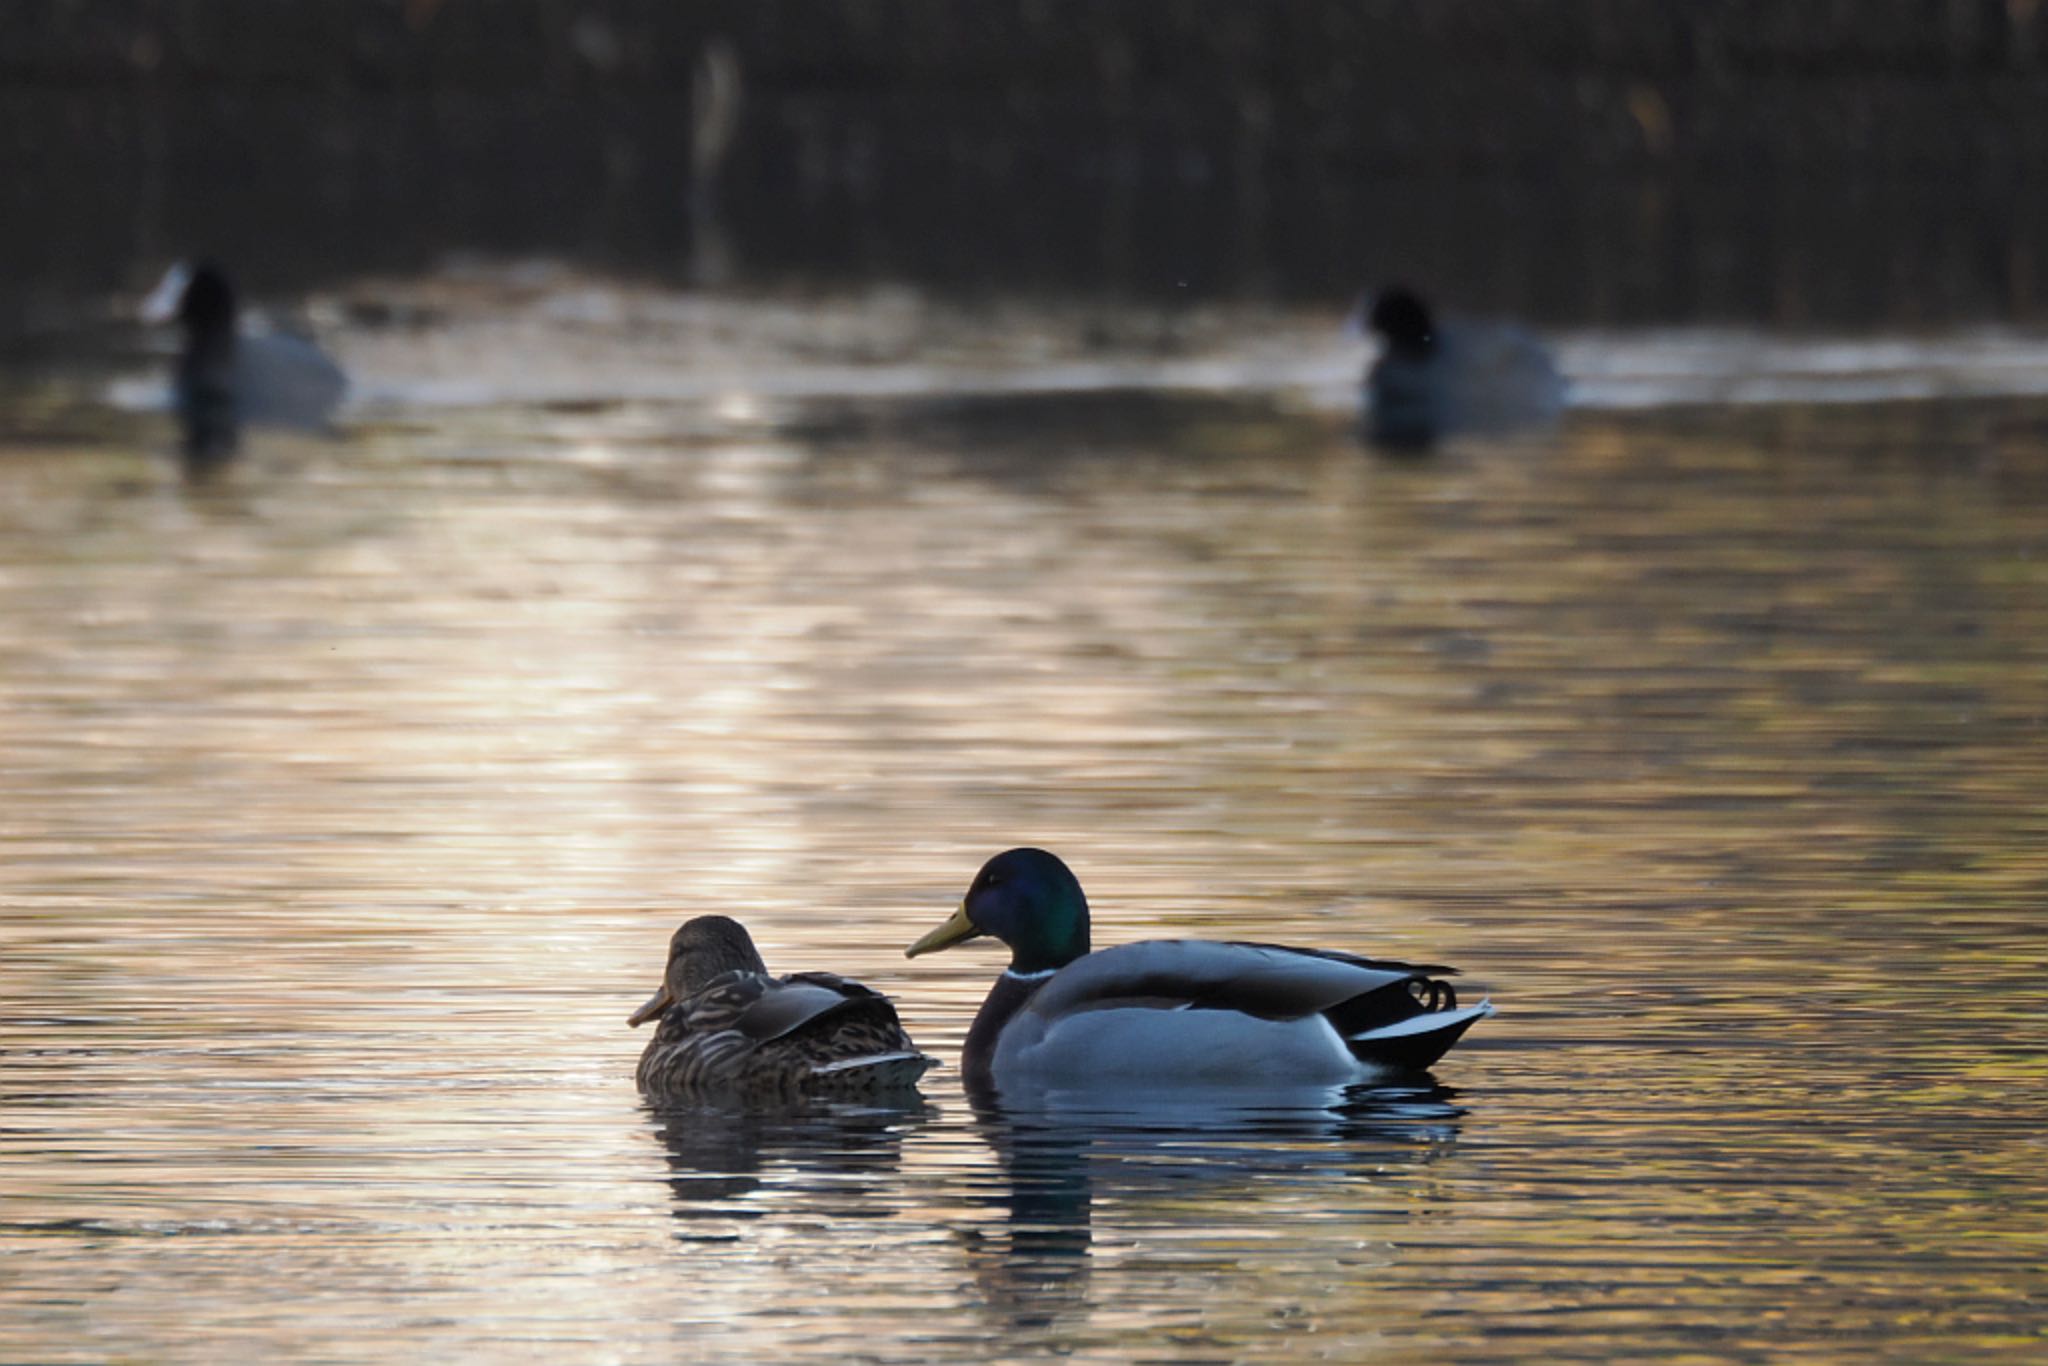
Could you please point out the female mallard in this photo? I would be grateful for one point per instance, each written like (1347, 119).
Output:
(729, 1029)
(1170, 1013)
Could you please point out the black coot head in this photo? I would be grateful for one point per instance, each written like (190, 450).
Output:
(1403, 319)
(208, 303)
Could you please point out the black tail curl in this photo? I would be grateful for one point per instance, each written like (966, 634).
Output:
(1433, 994)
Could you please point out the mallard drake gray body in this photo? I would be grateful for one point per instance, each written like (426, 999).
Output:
(225, 377)
(1170, 1013)
(728, 1029)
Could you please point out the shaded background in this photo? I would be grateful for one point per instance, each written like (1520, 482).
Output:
(1573, 161)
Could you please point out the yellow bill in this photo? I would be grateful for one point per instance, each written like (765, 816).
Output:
(958, 928)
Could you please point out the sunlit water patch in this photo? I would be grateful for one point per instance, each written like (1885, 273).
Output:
(351, 798)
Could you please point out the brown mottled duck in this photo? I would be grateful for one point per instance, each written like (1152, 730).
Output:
(729, 1030)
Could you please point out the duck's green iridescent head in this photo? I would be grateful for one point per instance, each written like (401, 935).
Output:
(1028, 899)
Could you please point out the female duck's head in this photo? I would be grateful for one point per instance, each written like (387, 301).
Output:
(703, 949)
(1028, 899)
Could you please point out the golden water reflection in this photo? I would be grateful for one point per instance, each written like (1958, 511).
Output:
(349, 805)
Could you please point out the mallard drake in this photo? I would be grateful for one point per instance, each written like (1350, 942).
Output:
(729, 1029)
(1432, 380)
(227, 377)
(1170, 1013)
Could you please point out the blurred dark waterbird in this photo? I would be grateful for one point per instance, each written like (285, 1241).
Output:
(1173, 1014)
(1433, 380)
(729, 1030)
(226, 377)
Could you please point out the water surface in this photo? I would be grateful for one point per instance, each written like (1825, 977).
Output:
(350, 799)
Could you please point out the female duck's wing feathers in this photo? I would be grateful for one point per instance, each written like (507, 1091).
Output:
(780, 1008)
(748, 1031)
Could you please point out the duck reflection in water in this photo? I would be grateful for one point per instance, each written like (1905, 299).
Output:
(843, 1156)
(1054, 1165)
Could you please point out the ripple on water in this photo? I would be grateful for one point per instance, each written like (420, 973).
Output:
(349, 806)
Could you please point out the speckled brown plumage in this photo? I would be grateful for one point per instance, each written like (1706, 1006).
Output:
(730, 1030)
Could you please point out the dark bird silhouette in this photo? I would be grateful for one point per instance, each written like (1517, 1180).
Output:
(1433, 379)
(227, 378)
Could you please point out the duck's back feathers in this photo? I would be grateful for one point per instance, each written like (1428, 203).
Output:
(1265, 980)
(746, 1034)
(286, 381)
(1192, 1009)
(764, 1009)
(1501, 377)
